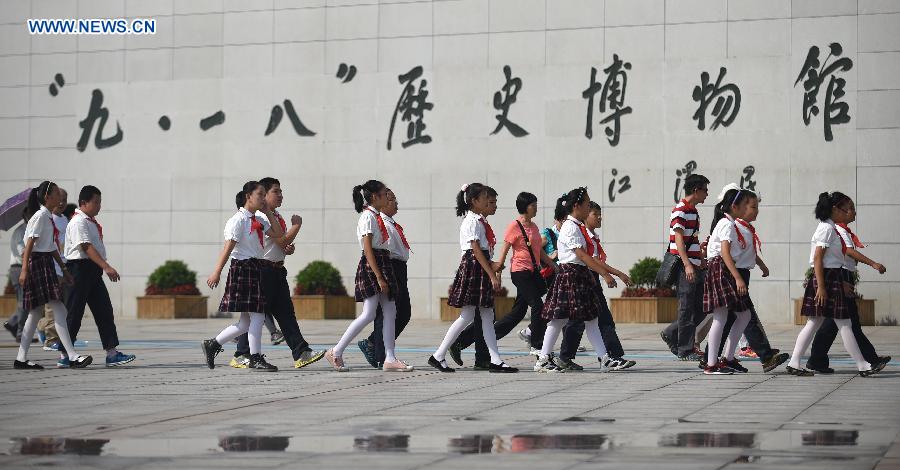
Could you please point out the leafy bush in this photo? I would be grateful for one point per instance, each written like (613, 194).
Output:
(643, 275)
(172, 278)
(319, 278)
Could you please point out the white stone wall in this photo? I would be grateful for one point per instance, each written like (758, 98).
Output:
(167, 194)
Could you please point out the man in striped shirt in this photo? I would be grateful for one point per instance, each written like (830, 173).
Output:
(684, 242)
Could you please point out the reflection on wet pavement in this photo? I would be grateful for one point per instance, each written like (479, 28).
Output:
(708, 439)
(380, 443)
(253, 443)
(57, 445)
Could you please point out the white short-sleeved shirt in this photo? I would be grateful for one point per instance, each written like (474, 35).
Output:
(238, 229)
(17, 245)
(368, 225)
(850, 264)
(61, 223)
(826, 236)
(472, 229)
(570, 238)
(726, 229)
(82, 230)
(398, 250)
(40, 227)
(271, 250)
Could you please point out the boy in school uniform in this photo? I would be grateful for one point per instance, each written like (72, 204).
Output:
(85, 256)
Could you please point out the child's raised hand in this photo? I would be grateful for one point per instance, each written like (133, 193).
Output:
(296, 220)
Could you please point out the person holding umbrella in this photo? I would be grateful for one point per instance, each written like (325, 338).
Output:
(40, 285)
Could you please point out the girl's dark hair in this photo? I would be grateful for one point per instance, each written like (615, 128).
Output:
(362, 194)
(827, 202)
(523, 200)
(239, 199)
(733, 197)
(472, 191)
(69, 211)
(566, 203)
(38, 195)
(246, 191)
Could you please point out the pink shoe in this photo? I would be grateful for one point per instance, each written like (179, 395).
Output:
(336, 362)
(397, 366)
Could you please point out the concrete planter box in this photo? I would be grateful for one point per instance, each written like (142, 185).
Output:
(324, 307)
(502, 307)
(171, 306)
(644, 309)
(866, 312)
(7, 305)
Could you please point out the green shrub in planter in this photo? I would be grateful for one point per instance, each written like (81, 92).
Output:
(643, 275)
(172, 278)
(319, 278)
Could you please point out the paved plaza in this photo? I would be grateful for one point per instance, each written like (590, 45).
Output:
(169, 411)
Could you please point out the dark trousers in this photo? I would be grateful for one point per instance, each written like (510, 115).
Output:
(574, 330)
(755, 334)
(279, 305)
(527, 290)
(828, 331)
(404, 311)
(690, 311)
(90, 290)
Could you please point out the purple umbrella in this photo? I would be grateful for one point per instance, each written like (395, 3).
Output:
(11, 210)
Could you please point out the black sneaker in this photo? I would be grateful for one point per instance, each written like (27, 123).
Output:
(11, 329)
(456, 355)
(501, 368)
(883, 361)
(80, 362)
(211, 349)
(672, 346)
(17, 364)
(736, 365)
(820, 369)
(774, 361)
(440, 365)
(718, 370)
(799, 372)
(277, 337)
(482, 365)
(866, 373)
(366, 349)
(616, 363)
(567, 364)
(259, 364)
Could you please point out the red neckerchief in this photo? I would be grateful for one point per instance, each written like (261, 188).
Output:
(488, 232)
(94, 221)
(757, 245)
(588, 245)
(856, 241)
(257, 226)
(602, 254)
(281, 221)
(381, 227)
(402, 236)
(55, 230)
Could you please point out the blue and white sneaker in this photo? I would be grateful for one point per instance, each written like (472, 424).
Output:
(63, 363)
(119, 359)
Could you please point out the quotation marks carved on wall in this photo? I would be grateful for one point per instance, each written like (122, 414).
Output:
(60, 82)
(345, 72)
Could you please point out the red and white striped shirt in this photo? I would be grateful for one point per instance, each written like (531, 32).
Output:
(685, 217)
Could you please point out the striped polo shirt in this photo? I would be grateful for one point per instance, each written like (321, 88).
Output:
(685, 217)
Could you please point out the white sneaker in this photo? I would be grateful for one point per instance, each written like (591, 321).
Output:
(534, 352)
(582, 349)
(525, 336)
(616, 363)
(545, 364)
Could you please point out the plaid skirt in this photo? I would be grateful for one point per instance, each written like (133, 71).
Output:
(367, 283)
(471, 286)
(244, 288)
(573, 295)
(837, 305)
(42, 284)
(720, 289)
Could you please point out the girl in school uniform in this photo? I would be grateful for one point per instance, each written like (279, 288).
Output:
(245, 234)
(376, 282)
(826, 295)
(476, 278)
(573, 295)
(731, 253)
(38, 279)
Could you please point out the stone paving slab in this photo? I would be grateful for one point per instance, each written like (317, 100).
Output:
(167, 410)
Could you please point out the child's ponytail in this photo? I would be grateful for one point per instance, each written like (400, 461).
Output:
(362, 194)
(827, 202)
(358, 201)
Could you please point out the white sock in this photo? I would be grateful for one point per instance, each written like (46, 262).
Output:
(388, 327)
(714, 337)
(28, 332)
(804, 339)
(62, 327)
(490, 336)
(850, 344)
(554, 328)
(466, 316)
(592, 330)
(234, 330)
(254, 332)
(370, 306)
(737, 330)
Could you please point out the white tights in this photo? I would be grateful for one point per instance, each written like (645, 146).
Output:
(466, 317)
(250, 323)
(714, 338)
(591, 329)
(370, 308)
(62, 329)
(805, 339)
